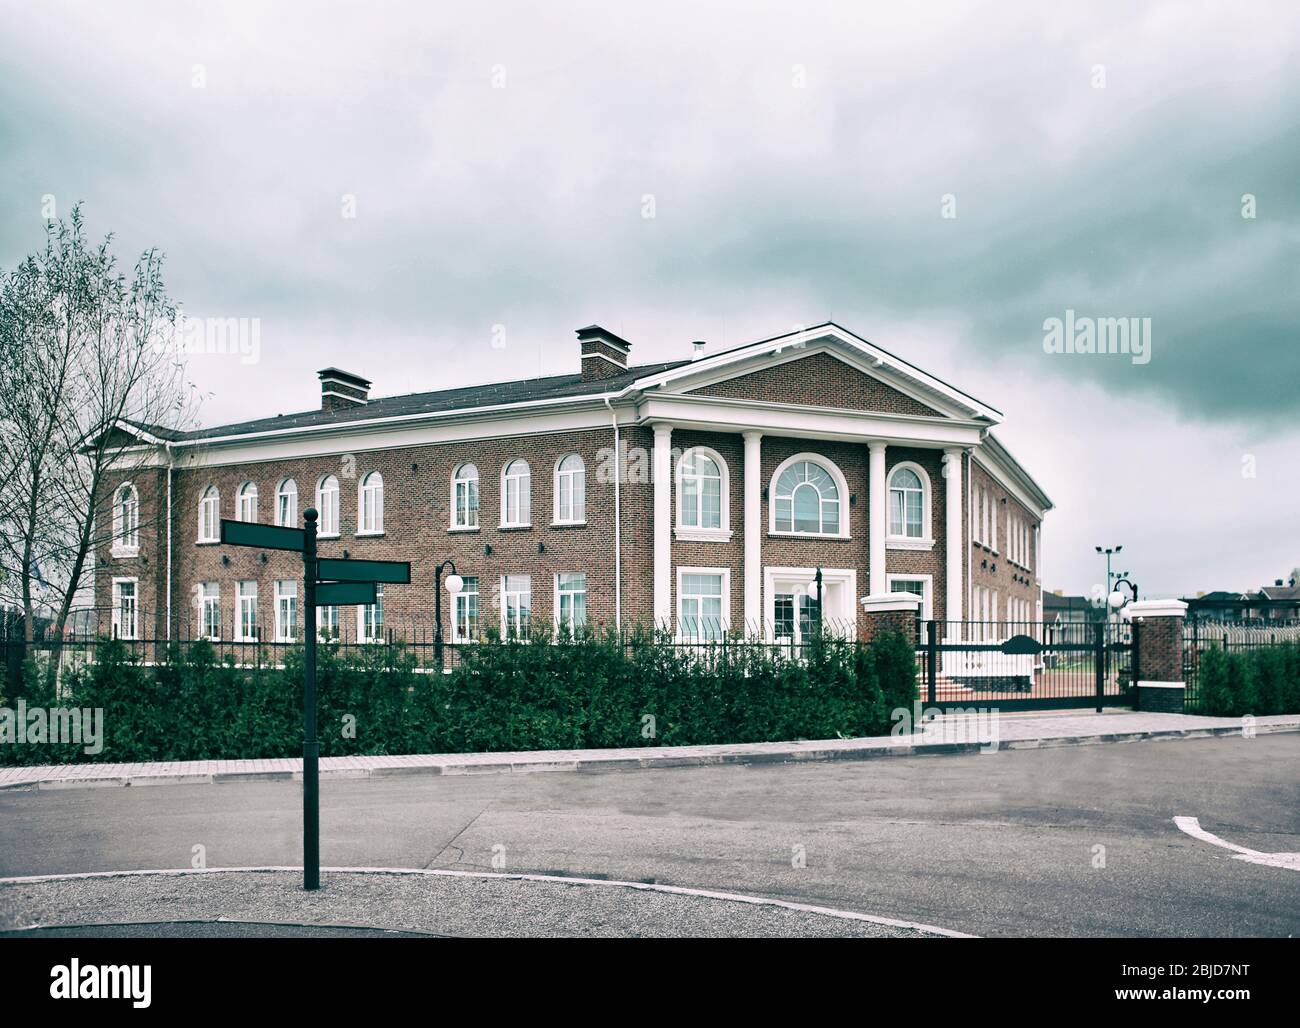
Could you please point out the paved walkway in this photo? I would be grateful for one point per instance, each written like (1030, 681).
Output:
(949, 734)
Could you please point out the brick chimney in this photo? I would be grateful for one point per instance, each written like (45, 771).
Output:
(604, 354)
(340, 389)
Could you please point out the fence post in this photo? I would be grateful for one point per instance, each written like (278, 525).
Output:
(931, 661)
(1099, 661)
(1158, 653)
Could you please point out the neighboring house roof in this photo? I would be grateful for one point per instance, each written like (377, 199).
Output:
(1052, 602)
(1280, 592)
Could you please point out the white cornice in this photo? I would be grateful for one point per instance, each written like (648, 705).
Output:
(729, 415)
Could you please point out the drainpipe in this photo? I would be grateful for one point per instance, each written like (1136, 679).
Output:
(618, 532)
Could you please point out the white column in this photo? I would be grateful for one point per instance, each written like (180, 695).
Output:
(953, 542)
(753, 532)
(877, 518)
(663, 526)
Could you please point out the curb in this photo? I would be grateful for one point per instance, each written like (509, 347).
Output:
(664, 759)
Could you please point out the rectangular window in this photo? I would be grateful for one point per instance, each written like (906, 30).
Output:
(286, 611)
(699, 606)
(246, 612)
(370, 618)
(789, 626)
(465, 514)
(328, 498)
(210, 610)
(571, 599)
(466, 621)
(516, 606)
(917, 585)
(327, 623)
(125, 610)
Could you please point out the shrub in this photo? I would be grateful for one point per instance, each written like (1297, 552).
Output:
(1232, 683)
(589, 691)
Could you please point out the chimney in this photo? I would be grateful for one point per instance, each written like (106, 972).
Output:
(697, 349)
(340, 389)
(604, 354)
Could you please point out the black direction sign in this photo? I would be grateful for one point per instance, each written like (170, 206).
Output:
(332, 569)
(266, 537)
(336, 594)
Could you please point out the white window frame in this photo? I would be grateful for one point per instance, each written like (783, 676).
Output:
(557, 592)
(328, 617)
(209, 601)
(370, 504)
(210, 497)
(325, 530)
(243, 593)
(461, 599)
(908, 542)
(696, 533)
(576, 516)
(286, 495)
(505, 606)
(118, 630)
(524, 487)
(927, 598)
(841, 483)
(286, 603)
(845, 578)
(457, 481)
(367, 634)
(725, 618)
(126, 532)
(246, 503)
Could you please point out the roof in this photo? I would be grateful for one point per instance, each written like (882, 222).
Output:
(461, 398)
(1051, 601)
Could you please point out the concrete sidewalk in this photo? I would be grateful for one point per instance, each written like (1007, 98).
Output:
(949, 734)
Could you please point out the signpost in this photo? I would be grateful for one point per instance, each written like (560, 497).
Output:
(327, 582)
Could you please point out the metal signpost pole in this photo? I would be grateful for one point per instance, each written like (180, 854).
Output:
(310, 745)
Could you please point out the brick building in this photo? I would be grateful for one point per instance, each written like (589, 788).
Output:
(702, 493)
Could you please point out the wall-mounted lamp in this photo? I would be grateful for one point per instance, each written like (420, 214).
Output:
(765, 492)
(414, 468)
(541, 547)
(225, 561)
(262, 557)
(487, 549)
(346, 555)
(853, 499)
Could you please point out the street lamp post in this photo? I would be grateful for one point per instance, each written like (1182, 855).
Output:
(1108, 551)
(454, 585)
(815, 592)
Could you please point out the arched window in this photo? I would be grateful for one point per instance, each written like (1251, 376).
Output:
(516, 490)
(286, 503)
(327, 505)
(370, 505)
(909, 508)
(464, 497)
(570, 491)
(126, 519)
(209, 515)
(246, 502)
(702, 501)
(808, 497)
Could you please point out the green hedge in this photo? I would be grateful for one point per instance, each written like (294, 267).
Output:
(1259, 681)
(586, 693)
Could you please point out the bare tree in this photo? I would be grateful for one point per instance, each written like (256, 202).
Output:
(94, 372)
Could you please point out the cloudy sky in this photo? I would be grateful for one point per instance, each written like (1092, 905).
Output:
(798, 161)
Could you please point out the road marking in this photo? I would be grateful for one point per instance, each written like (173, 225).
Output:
(676, 890)
(1192, 826)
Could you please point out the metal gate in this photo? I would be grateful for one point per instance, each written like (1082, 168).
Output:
(1028, 665)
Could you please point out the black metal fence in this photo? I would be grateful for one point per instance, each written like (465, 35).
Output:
(1214, 633)
(415, 640)
(1027, 665)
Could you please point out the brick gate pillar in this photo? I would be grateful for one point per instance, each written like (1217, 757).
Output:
(891, 612)
(1158, 649)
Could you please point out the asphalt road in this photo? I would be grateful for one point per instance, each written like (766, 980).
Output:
(991, 844)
